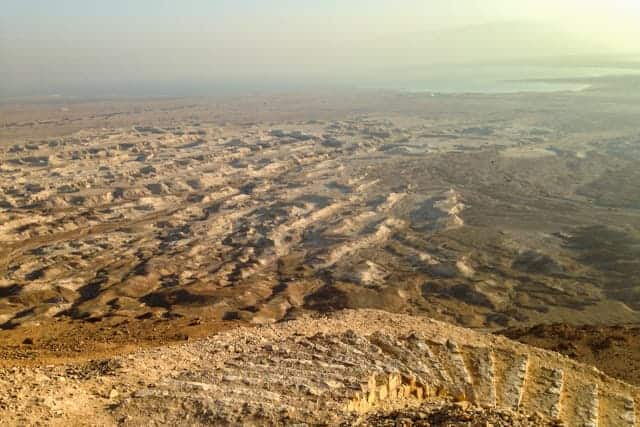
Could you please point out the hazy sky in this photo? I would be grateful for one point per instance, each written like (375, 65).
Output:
(47, 45)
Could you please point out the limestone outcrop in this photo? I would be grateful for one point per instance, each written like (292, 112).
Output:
(331, 370)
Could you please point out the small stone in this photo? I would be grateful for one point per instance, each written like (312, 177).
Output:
(312, 390)
(113, 394)
(270, 347)
(464, 405)
(332, 384)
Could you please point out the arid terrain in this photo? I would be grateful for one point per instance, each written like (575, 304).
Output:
(613, 349)
(127, 225)
(354, 367)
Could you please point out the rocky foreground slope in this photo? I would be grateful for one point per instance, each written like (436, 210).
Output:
(367, 367)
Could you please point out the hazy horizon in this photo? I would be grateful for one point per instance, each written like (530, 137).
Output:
(72, 45)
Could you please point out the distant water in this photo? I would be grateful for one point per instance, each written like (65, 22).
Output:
(493, 79)
(448, 79)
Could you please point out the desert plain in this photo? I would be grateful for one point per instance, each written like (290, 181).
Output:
(134, 223)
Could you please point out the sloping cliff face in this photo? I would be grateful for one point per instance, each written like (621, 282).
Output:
(350, 367)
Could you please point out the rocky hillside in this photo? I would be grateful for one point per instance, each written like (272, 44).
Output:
(363, 366)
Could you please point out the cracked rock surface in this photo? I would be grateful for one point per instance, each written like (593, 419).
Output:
(353, 367)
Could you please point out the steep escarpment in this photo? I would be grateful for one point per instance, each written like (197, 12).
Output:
(349, 367)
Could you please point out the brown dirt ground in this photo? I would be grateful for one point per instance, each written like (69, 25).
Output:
(614, 350)
(73, 341)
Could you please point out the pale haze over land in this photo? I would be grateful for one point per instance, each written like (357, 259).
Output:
(320, 212)
(47, 47)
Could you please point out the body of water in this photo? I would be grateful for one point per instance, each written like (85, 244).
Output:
(443, 79)
(493, 79)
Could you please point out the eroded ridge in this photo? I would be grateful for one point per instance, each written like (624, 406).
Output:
(506, 377)
(462, 218)
(331, 370)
